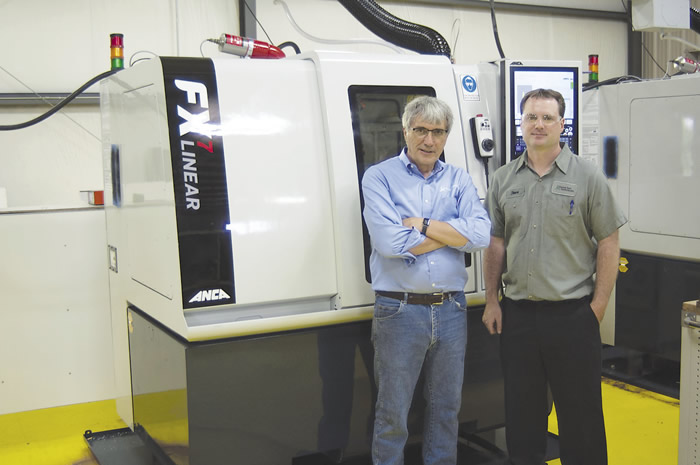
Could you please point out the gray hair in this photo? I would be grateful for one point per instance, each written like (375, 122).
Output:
(430, 109)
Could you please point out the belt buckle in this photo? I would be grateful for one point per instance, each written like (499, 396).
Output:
(441, 295)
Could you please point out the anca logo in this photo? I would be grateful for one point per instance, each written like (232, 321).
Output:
(210, 295)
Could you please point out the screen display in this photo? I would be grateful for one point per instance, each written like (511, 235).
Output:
(562, 79)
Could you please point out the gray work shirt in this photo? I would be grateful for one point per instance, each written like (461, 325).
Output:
(551, 226)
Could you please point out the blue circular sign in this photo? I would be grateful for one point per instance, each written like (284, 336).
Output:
(469, 83)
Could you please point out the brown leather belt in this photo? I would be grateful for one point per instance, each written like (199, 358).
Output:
(418, 299)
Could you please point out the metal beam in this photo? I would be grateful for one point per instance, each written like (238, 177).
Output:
(21, 99)
(246, 18)
(520, 8)
(634, 52)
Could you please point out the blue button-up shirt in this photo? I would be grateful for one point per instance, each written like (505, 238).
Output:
(395, 189)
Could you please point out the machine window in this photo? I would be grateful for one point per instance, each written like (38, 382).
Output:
(376, 125)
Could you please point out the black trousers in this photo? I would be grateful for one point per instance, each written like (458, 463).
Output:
(555, 343)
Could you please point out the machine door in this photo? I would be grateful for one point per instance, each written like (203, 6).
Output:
(378, 133)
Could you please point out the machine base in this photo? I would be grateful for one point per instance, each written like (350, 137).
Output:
(647, 371)
(281, 398)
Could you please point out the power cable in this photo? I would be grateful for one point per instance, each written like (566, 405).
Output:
(642, 41)
(132, 62)
(652, 58)
(616, 80)
(495, 30)
(456, 23)
(259, 23)
(61, 104)
(290, 44)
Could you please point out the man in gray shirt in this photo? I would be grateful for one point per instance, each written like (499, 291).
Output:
(554, 225)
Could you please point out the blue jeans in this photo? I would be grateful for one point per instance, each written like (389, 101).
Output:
(408, 338)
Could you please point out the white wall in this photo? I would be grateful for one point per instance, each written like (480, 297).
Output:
(55, 335)
(55, 341)
(468, 31)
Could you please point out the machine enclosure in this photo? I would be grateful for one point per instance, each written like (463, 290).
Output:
(234, 227)
(648, 144)
(230, 202)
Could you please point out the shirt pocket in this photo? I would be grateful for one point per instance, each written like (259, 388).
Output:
(514, 210)
(560, 216)
(444, 207)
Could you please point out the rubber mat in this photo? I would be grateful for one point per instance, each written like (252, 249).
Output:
(118, 447)
(123, 446)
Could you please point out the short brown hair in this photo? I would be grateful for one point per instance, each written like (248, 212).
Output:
(545, 94)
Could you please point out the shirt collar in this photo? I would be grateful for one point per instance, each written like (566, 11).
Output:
(562, 161)
(521, 161)
(411, 167)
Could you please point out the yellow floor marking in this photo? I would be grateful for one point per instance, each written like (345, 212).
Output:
(641, 426)
(54, 436)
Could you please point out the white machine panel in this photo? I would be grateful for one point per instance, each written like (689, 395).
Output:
(218, 200)
(665, 165)
(650, 141)
(277, 175)
(477, 90)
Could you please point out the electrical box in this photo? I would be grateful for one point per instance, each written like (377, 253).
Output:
(657, 15)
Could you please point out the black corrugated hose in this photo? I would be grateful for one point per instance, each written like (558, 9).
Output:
(695, 20)
(408, 35)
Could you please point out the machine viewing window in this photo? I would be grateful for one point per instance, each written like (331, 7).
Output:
(564, 80)
(377, 130)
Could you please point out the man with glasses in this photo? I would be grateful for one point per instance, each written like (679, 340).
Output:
(422, 215)
(554, 225)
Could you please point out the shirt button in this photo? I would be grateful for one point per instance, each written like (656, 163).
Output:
(534, 226)
(532, 250)
(433, 284)
(432, 263)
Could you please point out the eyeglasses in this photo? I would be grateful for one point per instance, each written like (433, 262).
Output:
(423, 132)
(547, 120)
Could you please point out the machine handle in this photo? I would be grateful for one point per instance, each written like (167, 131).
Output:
(116, 177)
(687, 321)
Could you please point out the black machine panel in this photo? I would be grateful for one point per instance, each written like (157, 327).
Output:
(648, 301)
